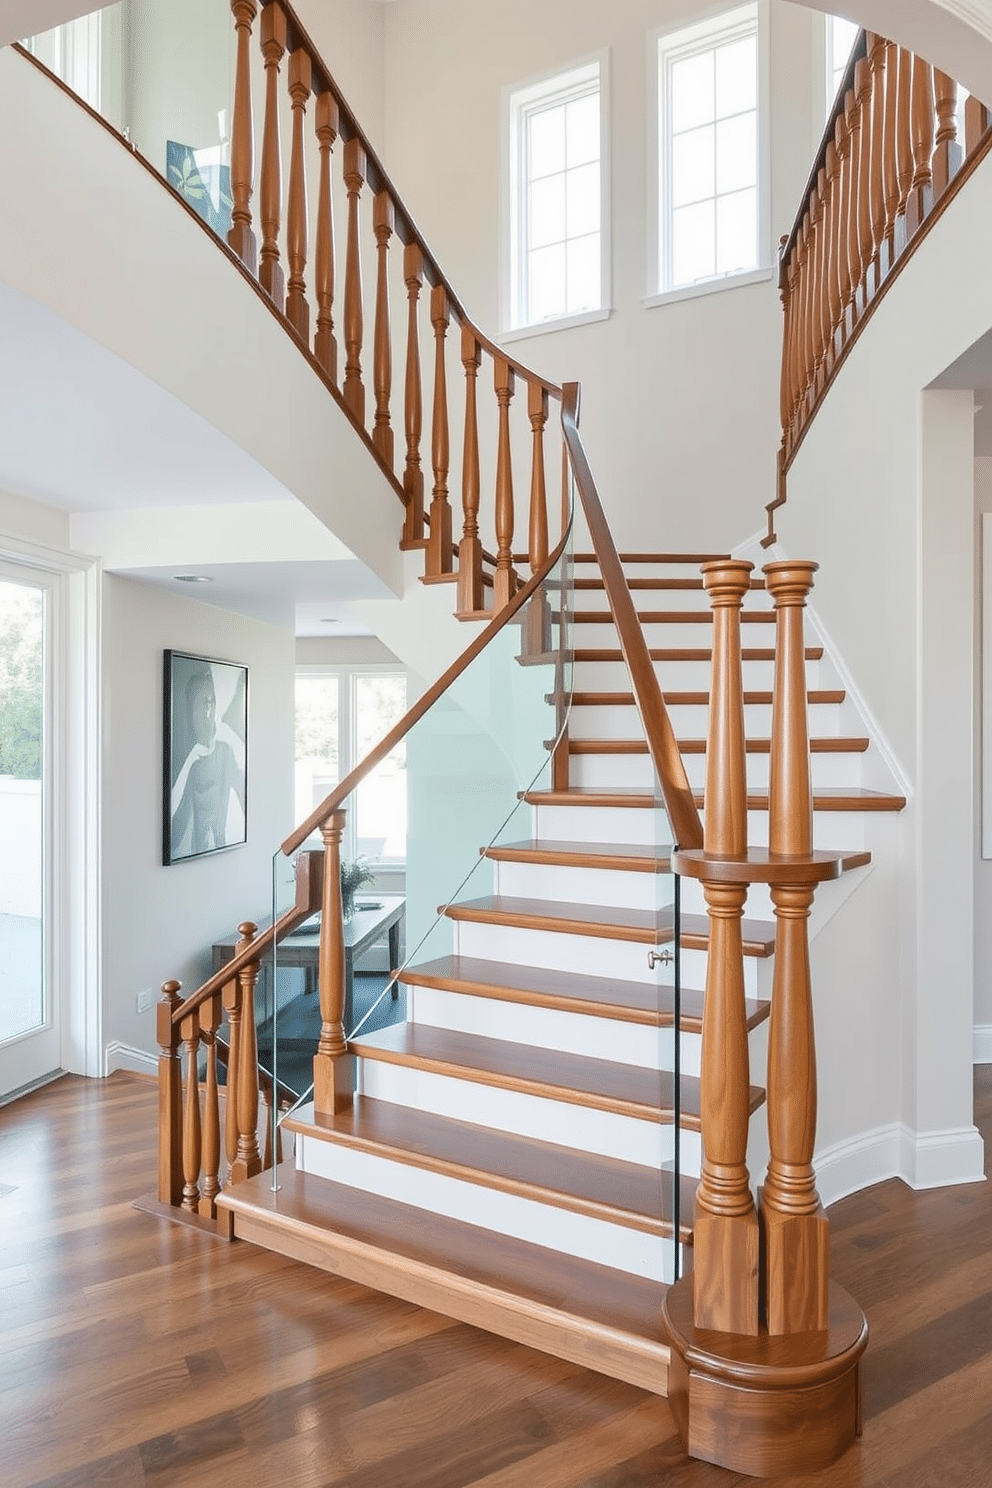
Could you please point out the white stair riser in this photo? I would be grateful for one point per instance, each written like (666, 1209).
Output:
(582, 954)
(648, 891)
(547, 1028)
(559, 1122)
(679, 676)
(603, 771)
(637, 825)
(689, 721)
(596, 1240)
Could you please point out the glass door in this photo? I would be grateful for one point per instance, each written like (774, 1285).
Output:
(29, 1023)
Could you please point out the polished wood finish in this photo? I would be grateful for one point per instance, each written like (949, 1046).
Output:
(333, 1066)
(241, 237)
(273, 34)
(440, 556)
(470, 546)
(620, 1193)
(505, 579)
(327, 127)
(726, 1236)
(169, 1036)
(243, 1072)
(383, 224)
(832, 744)
(681, 808)
(829, 798)
(354, 179)
(888, 164)
(413, 477)
(760, 1405)
(297, 216)
(136, 1351)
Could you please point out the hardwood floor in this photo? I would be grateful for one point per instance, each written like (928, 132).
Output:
(133, 1351)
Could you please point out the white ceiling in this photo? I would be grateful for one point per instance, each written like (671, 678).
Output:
(83, 431)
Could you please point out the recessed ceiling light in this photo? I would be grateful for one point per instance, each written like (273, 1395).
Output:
(193, 578)
(330, 620)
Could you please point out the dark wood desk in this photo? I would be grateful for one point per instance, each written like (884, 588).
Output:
(374, 917)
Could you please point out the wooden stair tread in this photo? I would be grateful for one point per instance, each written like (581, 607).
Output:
(645, 927)
(832, 798)
(654, 557)
(603, 1188)
(608, 997)
(672, 617)
(601, 1084)
(655, 583)
(590, 1314)
(628, 857)
(683, 653)
(691, 699)
(832, 744)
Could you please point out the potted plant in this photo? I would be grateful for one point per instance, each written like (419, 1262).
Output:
(354, 876)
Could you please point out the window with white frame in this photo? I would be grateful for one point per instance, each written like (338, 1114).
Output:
(556, 188)
(711, 125)
(341, 714)
(841, 36)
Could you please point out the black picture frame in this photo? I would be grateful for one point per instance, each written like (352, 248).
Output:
(205, 757)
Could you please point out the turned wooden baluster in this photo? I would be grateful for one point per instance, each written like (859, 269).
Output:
(231, 998)
(470, 548)
(786, 285)
(333, 1066)
(796, 1232)
(241, 237)
(297, 306)
(947, 151)
(170, 1098)
(862, 73)
(834, 301)
(439, 551)
(537, 412)
(853, 118)
(210, 1015)
(890, 163)
(904, 140)
(192, 1148)
(325, 346)
(725, 1244)
(876, 63)
(821, 310)
(413, 475)
(273, 43)
(505, 580)
(247, 1160)
(802, 291)
(842, 135)
(354, 180)
(976, 123)
(383, 223)
(923, 136)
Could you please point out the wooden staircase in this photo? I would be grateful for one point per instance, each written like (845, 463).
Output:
(509, 1157)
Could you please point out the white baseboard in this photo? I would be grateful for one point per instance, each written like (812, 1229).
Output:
(119, 1056)
(983, 1044)
(920, 1159)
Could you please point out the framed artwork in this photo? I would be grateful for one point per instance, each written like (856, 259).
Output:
(205, 774)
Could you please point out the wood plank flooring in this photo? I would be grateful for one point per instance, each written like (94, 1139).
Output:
(133, 1351)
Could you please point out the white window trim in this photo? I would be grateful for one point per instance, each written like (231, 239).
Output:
(513, 97)
(700, 29)
(346, 672)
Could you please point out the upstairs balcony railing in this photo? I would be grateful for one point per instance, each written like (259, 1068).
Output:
(900, 142)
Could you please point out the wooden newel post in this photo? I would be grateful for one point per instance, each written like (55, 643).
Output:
(794, 1225)
(243, 1078)
(725, 1264)
(333, 1066)
(170, 1098)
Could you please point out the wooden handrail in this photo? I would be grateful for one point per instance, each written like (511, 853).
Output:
(890, 161)
(679, 803)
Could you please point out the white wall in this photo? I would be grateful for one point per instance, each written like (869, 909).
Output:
(882, 494)
(160, 922)
(33, 521)
(983, 867)
(680, 402)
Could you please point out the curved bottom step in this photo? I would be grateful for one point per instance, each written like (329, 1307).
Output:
(587, 1314)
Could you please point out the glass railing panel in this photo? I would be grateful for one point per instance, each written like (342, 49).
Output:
(467, 763)
(665, 965)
